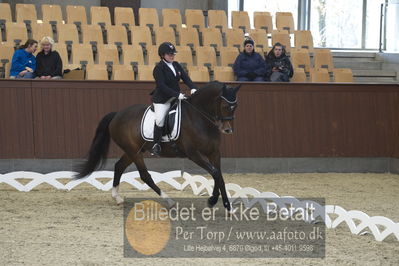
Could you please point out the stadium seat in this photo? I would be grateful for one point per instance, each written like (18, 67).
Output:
(141, 36)
(240, 20)
(76, 15)
(228, 56)
(212, 37)
(124, 16)
(96, 66)
(300, 59)
(68, 33)
(108, 53)
(6, 53)
(132, 54)
(323, 59)
(343, 75)
(122, 74)
(148, 17)
(152, 55)
(217, 19)
(261, 51)
(92, 34)
(5, 15)
(52, 14)
(235, 38)
(145, 72)
(96, 74)
(16, 33)
(26, 13)
(206, 56)
(264, 21)
(100, 15)
(285, 21)
(82, 54)
(283, 38)
(195, 19)
(260, 39)
(299, 75)
(184, 55)
(117, 35)
(164, 34)
(40, 30)
(62, 51)
(223, 73)
(304, 39)
(189, 37)
(172, 18)
(198, 73)
(319, 75)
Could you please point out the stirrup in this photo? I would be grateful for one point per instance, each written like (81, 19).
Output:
(156, 149)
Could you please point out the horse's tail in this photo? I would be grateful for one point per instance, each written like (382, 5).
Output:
(98, 150)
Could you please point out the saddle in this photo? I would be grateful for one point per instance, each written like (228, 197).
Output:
(171, 129)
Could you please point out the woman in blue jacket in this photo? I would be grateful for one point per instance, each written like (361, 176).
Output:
(249, 65)
(23, 63)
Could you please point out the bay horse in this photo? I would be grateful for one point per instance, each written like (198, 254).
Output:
(204, 116)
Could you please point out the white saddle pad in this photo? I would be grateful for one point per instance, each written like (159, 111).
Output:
(148, 120)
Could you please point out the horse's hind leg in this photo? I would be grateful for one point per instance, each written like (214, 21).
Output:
(120, 167)
(146, 177)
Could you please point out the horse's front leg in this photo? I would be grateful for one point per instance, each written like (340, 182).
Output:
(214, 159)
(216, 173)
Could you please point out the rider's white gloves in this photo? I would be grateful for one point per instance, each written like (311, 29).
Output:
(182, 96)
(193, 91)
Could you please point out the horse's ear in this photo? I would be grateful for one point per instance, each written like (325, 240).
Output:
(237, 88)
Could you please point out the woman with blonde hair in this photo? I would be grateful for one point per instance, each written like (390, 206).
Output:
(48, 61)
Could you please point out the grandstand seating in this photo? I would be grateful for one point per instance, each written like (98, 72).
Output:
(223, 73)
(116, 35)
(62, 51)
(122, 74)
(5, 13)
(145, 72)
(304, 39)
(82, 54)
(141, 36)
(6, 53)
(76, 15)
(240, 20)
(228, 56)
(299, 75)
(124, 16)
(343, 75)
(16, 33)
(100, 15)
(52, 14)
(300, 59)
(283, 38)
(132, 54)
(189, 37)
(319, 75)
(235, 38)
(198, 73)
(26, 13)
(195, 19)
(148, 17)
(152, 54)
(264, 21)
(212, 37)
(92, 34)
(172, 18)
(217, 19)
(323, 59)
(206, 56)
(260, 38)
(108, 53)
(40, 30)
(285, 21)
(68, 33)
(96, 74)
(184, 55)
(164, 34)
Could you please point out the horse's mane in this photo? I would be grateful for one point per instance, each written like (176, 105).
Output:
(206, 93)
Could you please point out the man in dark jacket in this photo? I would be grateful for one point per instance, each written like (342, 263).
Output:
(249, 65)
(167, 74)
(279, 67)
(48, 62)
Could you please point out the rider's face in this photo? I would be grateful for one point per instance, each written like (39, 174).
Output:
(169, 58)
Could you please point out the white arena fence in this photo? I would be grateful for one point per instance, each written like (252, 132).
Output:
(358, 222)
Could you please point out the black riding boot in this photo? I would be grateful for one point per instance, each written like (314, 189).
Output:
(156, 149)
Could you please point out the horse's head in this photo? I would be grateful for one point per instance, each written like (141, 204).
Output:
(228, 105)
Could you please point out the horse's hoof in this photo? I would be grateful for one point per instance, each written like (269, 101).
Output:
(212, 201)
(119, 200)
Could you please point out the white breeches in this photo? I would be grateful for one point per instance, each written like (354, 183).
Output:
(160, 110)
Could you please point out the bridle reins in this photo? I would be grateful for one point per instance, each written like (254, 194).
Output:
(215, 119)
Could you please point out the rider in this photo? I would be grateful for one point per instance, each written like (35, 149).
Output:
(167, 74)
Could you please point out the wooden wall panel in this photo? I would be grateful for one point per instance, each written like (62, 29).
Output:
(57, 119)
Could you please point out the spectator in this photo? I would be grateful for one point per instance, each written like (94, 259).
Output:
(23, 62)
(279, 65)
(249, 65)
(48, 62)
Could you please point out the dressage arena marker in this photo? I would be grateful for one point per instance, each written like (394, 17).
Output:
(200, 186)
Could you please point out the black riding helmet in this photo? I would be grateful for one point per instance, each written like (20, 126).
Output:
(166, 48)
